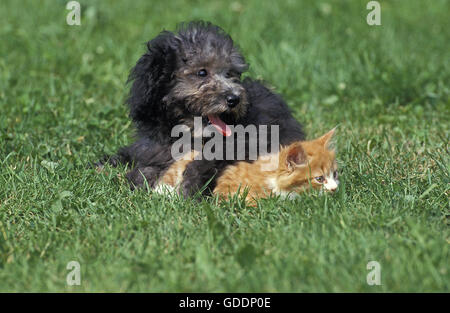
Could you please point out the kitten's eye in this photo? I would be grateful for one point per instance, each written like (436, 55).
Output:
(335, 174)
(202, 73)
(319, 179)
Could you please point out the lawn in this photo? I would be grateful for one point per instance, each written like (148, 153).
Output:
(387, 87)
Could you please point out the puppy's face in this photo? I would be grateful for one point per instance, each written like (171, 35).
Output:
(207, 80)
(211, 89)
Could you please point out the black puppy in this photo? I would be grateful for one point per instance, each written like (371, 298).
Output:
(194, 72)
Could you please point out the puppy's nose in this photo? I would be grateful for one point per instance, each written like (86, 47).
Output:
(233, 100)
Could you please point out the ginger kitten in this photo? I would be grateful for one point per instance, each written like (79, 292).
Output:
(301, 165)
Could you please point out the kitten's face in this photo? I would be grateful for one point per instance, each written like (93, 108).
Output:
(325, 178)
(308, 164)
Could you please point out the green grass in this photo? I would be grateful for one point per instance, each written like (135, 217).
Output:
(62, 90)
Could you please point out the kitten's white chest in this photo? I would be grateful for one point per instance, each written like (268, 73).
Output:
(276, 190)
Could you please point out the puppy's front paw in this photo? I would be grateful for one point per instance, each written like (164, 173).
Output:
(143, 176)
(187, 190)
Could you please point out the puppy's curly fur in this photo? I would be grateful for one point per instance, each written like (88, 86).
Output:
(169, 87)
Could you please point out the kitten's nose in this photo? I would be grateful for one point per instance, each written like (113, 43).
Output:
(233, 100)
(332, 189)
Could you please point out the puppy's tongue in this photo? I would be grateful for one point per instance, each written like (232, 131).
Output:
(219, 125)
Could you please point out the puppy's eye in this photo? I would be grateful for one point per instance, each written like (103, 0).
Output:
(319, 179)
(202, 73)
(231, 74)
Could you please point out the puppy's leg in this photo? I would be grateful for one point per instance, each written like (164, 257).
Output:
(141, 153)
(144, 176)
(151, 164)
(122, 157)
(201, 174)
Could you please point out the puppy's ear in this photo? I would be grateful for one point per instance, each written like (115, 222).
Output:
(151, 78)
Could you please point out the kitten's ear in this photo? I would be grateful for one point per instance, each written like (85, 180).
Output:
(325, 139)
(295, 156)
